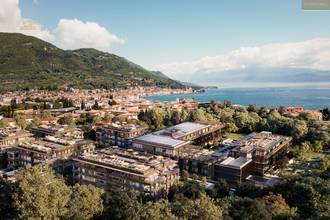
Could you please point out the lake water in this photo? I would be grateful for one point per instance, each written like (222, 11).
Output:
(309, 98)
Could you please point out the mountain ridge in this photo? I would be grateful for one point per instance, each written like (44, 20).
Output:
(27, 62)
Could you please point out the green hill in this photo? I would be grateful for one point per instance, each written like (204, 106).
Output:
(27, 62)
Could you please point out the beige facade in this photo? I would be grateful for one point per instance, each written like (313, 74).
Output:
(170, 141)
(118, 135)
(127, 170)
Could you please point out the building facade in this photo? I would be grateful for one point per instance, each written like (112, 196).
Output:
(54, 151)
(11, 137)
(170, 141)
(118, 135)
(233, 170)
(126, 169)
(57, 130)
(264, 148)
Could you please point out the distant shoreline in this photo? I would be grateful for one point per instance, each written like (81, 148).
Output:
(309, 98)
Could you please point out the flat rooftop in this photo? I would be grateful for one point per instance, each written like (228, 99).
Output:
(262, 141)
(130, 160)
(235, 163)
(263, 180)
(200, 154)
(13, 132)
(180, 130)
(49, 143)
(162, 140)
(126, 127)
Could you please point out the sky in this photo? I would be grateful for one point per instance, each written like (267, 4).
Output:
(181, 37)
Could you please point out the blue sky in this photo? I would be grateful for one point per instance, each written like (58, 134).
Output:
(185, 39)
(157, 32)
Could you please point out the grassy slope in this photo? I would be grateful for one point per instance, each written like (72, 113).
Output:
(28, 62)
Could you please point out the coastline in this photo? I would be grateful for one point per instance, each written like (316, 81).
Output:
(309, 98)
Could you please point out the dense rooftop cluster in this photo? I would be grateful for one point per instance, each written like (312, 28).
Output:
(119, 140)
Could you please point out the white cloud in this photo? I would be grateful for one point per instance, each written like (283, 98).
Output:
(69, 34)
(313, 54)
(74, 34)
(11, 20)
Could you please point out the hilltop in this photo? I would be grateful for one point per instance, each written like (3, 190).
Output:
(27, 62)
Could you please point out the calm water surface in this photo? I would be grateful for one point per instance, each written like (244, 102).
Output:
(310, 98)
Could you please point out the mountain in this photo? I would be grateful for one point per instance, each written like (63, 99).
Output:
(28, 62)
(259, 76)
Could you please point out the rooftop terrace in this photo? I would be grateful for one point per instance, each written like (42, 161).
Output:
(261, 141)
(180, 130)
(236, 163)
(127, 159)
(162, 140)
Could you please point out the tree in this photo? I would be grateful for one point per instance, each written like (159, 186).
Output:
(198, 115)
(202, 208)
(304, 197)
(122, 205)
(21, 121)
(226, 103)
(82, 105)
(324, 163)
(13, 104)
(107, 118)
(157, 211)
(281, 110)
(206, 208)
(57, 105)
(112, 102)
(308, 116)
(318, 147)
(220, 190)
(184, 115)
(45, 106)
(252, 108)
(36, 122)
(176, 117)
(157, 118)
(40, 194)
(67, 120)
(247, 122)
(326, 114)
(305, 147)
(96, 105)
(168, 115)
(86, 202)
(46, 116)
(67, 103)
(192, 189)
(299, 129)
(248, 209)
(248, 190)
(277, 206)
(7, 209)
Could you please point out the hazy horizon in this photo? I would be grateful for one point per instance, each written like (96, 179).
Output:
(186, 39)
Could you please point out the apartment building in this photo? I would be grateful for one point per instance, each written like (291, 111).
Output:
(11, 137)
(233, 170)
(199, 161)
(264, 148)
(118, 134)
(171, 140)
(126, 169)
(255, 154)
(57, 130)
(49, 150)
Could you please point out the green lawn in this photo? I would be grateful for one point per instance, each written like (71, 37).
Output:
(235, 136)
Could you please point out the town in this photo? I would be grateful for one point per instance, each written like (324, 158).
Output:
(121, 140)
